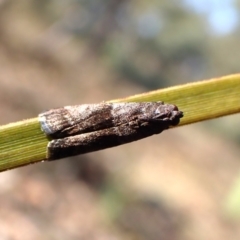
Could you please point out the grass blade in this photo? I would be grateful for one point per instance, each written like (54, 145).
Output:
(23, 143)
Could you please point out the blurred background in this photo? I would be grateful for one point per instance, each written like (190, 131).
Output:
(182, 184)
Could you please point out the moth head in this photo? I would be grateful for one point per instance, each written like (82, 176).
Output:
(168, 113)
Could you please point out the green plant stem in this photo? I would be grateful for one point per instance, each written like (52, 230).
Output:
(23, 143)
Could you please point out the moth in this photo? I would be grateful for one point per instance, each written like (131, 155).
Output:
(80, 129)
